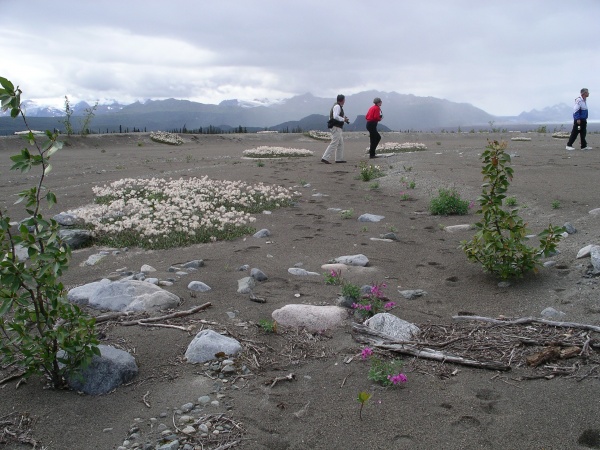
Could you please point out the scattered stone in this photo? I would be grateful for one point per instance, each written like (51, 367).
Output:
(67, 220)
(504, 284)
(300, 272)
(549, 263)
(198, 286)
(585, 251)
(106, 372)
(131, 295)
(147, 269)
(457, 228)
(207, 344)
(262, 233)
(245, 285)
(81, 294)
(393, 326)
(76, 238)
(595, 257)
(411, 294)
(370, 218)
(195, 264)
(390, 236)
(595, 212)
(312, 318)
(353, 260)
(258, 275)
(551, 313)
(338, 267)
(94, 259)
(570, 228)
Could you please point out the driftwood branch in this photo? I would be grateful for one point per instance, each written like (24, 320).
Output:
(526, 320)
(168, 316)
(366, 335)
(112, 316)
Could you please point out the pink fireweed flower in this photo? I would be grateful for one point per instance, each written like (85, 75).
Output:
(366, 352)
(396, 379)
(389, 305)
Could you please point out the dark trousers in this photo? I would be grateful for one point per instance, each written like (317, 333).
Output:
(374, 136)
(576, 131)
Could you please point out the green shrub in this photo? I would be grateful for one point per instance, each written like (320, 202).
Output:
(41, 332)
(499, 245)
(448, 202)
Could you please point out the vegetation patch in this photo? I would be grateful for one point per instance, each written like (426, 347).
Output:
(276, 152)
(166, 138)
(396, 147)
(159, 213)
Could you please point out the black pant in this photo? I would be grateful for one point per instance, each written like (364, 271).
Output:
(374, 136)
(575, 131)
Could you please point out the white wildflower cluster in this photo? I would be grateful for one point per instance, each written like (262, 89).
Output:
(166, 138)
(157, 207)
(520, 138)
(396, 147)
(276, 152)
(322, 135)
(267, 132)
(561, 135)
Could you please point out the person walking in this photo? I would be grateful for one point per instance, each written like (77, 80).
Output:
(580, 115)
(337, 119)
(374, 115)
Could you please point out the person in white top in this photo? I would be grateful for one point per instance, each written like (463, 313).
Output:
(337, 119)
(580, 115)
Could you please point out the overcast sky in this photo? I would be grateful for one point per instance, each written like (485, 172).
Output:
(503, 56)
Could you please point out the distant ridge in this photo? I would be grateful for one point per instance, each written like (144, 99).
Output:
(401, 112)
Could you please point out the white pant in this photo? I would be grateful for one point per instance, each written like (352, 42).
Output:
(336, 145)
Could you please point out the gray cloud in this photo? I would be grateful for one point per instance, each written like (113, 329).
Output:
(504, 57)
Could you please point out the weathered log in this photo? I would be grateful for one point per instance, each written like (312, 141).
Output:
(168, 316)
(526, 320)
(366, 335)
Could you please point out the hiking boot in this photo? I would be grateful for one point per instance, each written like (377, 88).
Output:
(570, 148)
(325, 161)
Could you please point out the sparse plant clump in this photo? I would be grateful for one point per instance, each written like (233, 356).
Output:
(268, 326)
(499, 245)
(447, 203)
(333, 277)
(369, 172)
(350, 290)
(347, 213)
(41, 332)
(374, 302)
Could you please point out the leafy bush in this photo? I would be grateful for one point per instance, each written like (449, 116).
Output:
(448, 203)
(41, 332)
(499, 245)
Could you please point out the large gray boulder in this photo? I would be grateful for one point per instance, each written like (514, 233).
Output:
(393, 326)
(310, 317)
(106, 372)
(132, 295)
(207, 344)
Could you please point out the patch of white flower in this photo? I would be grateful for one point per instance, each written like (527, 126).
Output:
(396, 147)
(166, 138)
(156, 208)
(561, 135)
(267, 132)
(520, 138)
(276, 152)
(321, 135)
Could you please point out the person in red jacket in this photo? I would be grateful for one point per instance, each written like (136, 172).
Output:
(374, 115)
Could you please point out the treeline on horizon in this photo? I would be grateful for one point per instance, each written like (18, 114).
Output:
(8, 127)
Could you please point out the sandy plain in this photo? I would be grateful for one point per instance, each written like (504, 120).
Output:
(443, 405)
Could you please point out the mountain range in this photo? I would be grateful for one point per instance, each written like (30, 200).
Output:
(302, 112)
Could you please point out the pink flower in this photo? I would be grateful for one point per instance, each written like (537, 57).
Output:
(366, 352)
(355, 306)
(367, 307)
(389, 305)
(396, 379)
